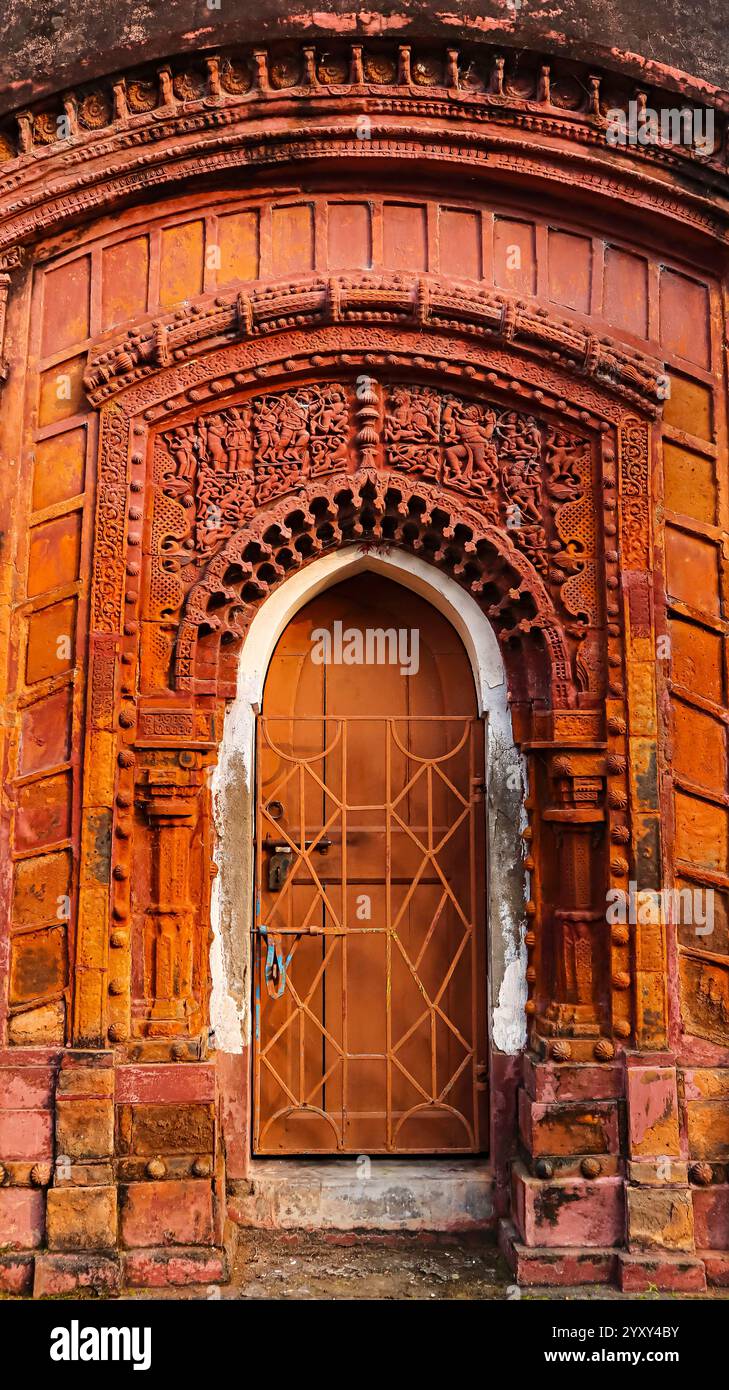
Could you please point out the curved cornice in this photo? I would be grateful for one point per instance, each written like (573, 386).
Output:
(401, 301)
(200, 116)
(48, 52)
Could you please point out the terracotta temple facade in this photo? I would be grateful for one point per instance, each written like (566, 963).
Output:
(342, 299)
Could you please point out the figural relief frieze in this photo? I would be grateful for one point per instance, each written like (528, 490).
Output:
(530, 479)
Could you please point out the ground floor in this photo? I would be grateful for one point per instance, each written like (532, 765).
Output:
(141, 1176)
(312, 1266)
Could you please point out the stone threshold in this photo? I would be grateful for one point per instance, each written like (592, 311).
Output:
(363, 1194)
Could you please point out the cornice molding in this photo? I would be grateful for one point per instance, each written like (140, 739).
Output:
(203, 115)
(370, 299)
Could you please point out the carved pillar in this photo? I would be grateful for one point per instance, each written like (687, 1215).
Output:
(576, 819)
(171, 800)
(644, 757)
(9, 261)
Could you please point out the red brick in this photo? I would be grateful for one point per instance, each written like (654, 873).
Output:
(563, 1268)
(68, 1274)
(26, 1134)
(569, 1128)
(26, 1088)
(16, 1274)
(706, 1083)
(233, 1072)
(173, 1129)
(81, 1059)
(652, 1111)
(81, 1218)
(568, 1212)
(717, 1267)
(166, 1213)
(660, 1219)
(680, 1274)
(165, 1084)
(85, 1128)
(157, 1269)
(22, 1213)
(558, 1081)
(711, 1216)
(31, 1057)
(85, 1083)
(707, 1123)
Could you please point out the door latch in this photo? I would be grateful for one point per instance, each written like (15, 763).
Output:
(279, 864)
(278, 867)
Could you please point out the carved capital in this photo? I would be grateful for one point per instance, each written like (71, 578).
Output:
(170, 798)
(9, 260)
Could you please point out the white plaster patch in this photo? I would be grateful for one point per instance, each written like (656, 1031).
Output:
(509, 1019)
(228, 1019)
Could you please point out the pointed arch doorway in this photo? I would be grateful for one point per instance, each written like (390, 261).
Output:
(369, 968)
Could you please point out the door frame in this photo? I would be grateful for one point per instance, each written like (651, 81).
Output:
(233, 787)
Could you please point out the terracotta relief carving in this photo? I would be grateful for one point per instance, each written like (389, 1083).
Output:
(530, 480)
(355, 507)
(296, 435)
(634, 470)
(170, 799)
(473, 310)
(10, 260)
(575, 815)
(111, 508)
(511, 499)
(476, 83)
(209, 473)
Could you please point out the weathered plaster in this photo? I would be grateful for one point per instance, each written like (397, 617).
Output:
(233, 784)
(55, 43)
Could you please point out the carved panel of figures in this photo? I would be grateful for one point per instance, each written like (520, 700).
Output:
(531, 479)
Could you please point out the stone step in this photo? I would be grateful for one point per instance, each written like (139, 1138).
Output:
(378, 1194)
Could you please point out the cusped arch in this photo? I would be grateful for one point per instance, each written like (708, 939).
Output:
(373, 510)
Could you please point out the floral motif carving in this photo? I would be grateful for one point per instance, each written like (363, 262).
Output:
(526, 478)
(110, 524)
(634, 473)
(372, 507)
(573, 561)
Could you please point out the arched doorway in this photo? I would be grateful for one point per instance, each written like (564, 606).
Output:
(369, 971)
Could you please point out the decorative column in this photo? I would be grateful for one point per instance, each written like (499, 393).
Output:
(576, 819)
(568, 1210)
(171, 799)
(9, 260)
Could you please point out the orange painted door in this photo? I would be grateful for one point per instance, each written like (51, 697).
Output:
(369, 972)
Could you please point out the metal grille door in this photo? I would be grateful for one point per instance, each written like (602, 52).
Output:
(369, 963)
